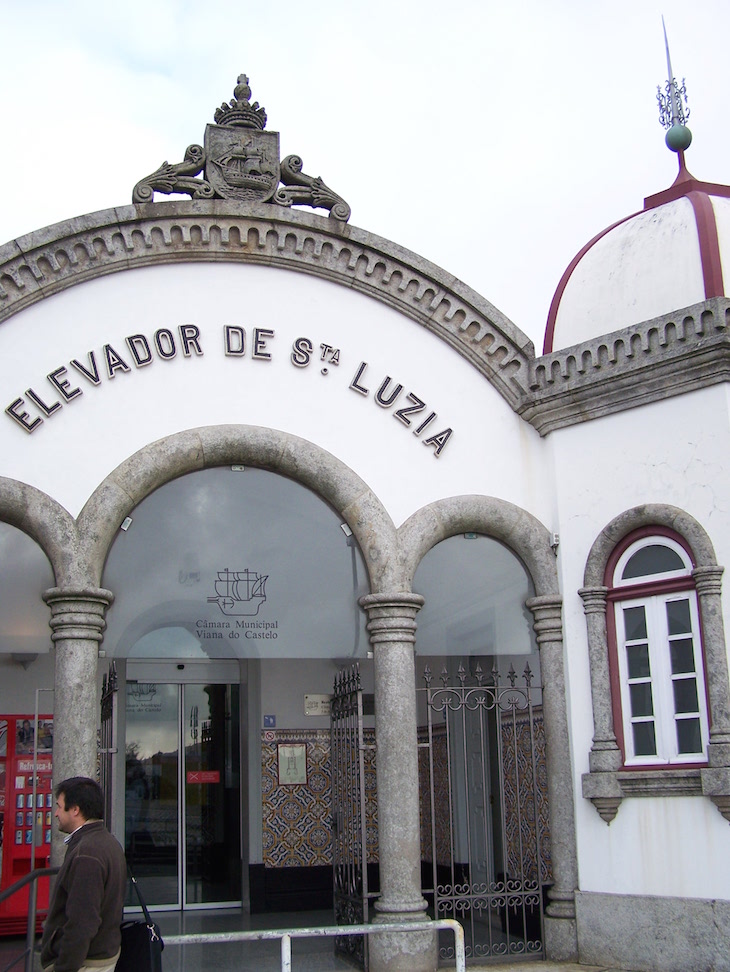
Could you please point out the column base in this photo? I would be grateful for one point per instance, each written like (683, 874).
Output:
(561, 939)
(406, 951)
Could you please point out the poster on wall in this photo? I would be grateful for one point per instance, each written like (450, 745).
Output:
(292, 763)
(25, 736)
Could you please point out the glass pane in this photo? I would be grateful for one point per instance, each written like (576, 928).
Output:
(689, 737)
(644, 739)
(683, 656)
(685, 695)
(475, 591)
(678, 617)
(635, 623)
(637, 657)
(226, 563)
(653, 559)
(641, 702)
(25, 574)
(212, 794)
(152, 790)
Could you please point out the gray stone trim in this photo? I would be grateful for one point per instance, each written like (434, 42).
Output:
(392, 630)
(666, 356)
(44, 520)
(493, 517)
(77, 623)
(670, 355)
(653, 933)
(606, 785)
(225, 445)
(68, 253)
(560, 928)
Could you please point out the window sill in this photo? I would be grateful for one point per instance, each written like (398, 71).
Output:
(606, 790)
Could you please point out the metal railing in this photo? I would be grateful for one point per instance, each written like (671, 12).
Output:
(330, 931)
(31, 878)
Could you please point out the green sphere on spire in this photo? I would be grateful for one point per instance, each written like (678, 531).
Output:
(678, 138)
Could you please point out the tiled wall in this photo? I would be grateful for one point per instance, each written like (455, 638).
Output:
(297, 818)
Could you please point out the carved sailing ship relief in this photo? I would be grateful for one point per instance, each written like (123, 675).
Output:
(241, 161)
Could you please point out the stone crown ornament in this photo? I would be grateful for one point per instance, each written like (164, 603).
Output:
(241, 162)
(239, 112)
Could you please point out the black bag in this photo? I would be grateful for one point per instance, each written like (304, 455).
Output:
(141, 941)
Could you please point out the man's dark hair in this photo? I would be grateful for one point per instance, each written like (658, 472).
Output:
(84, 793)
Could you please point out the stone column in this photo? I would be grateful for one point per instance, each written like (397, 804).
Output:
(392, 628)
(605, 755)
(716, 776)
(561, 942)
(601, 786)
(77, 623)
(708, 581)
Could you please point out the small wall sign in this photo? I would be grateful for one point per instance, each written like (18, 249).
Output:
(317, 705)
(203, 776)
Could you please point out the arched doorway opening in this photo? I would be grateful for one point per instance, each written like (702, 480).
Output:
(236, 600)
(484, 820)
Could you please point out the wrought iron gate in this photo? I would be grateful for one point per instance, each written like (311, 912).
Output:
(107, 739)
(349, 817)
(484, 809)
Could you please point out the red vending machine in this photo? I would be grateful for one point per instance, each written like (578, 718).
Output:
(26, 812)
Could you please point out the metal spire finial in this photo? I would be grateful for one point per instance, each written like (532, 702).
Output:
(673, 110)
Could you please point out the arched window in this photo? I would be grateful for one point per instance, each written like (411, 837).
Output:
(660, 708)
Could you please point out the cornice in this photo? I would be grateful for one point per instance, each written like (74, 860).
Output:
(669, 355)
(60, 256)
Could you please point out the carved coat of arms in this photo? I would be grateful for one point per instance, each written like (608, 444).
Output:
(241, 161)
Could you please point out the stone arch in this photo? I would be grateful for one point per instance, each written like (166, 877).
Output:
(651, 514)
(43, 520)
(517, 529)
(203, 448)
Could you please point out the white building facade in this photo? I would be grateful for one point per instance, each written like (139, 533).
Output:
(206, 400)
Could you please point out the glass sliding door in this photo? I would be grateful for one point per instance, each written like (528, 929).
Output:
(183, 793)
(212, 818)
(152, 755)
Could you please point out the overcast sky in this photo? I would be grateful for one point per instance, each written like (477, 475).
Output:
(494, 138)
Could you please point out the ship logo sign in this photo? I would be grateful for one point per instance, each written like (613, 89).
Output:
(239, 593)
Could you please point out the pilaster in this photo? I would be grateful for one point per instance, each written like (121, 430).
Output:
(600, 785)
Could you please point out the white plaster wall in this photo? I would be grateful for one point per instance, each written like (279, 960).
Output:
(721, 206)
(491, 450)
(645, 267)
(285, 683)
(675, 452)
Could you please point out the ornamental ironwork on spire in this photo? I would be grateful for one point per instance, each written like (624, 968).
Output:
(673, 110)
(240, 161)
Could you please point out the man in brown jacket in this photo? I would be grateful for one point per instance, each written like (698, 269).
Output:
(82, 928)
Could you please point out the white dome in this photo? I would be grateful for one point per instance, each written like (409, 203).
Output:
(669, 255)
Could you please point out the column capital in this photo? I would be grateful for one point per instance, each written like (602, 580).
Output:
(399, 600)
(547, 610)
(78, 613)
(708, 579)
(392, 617)
(594, 599)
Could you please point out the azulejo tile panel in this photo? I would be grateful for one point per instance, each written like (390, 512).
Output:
(297, 818)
